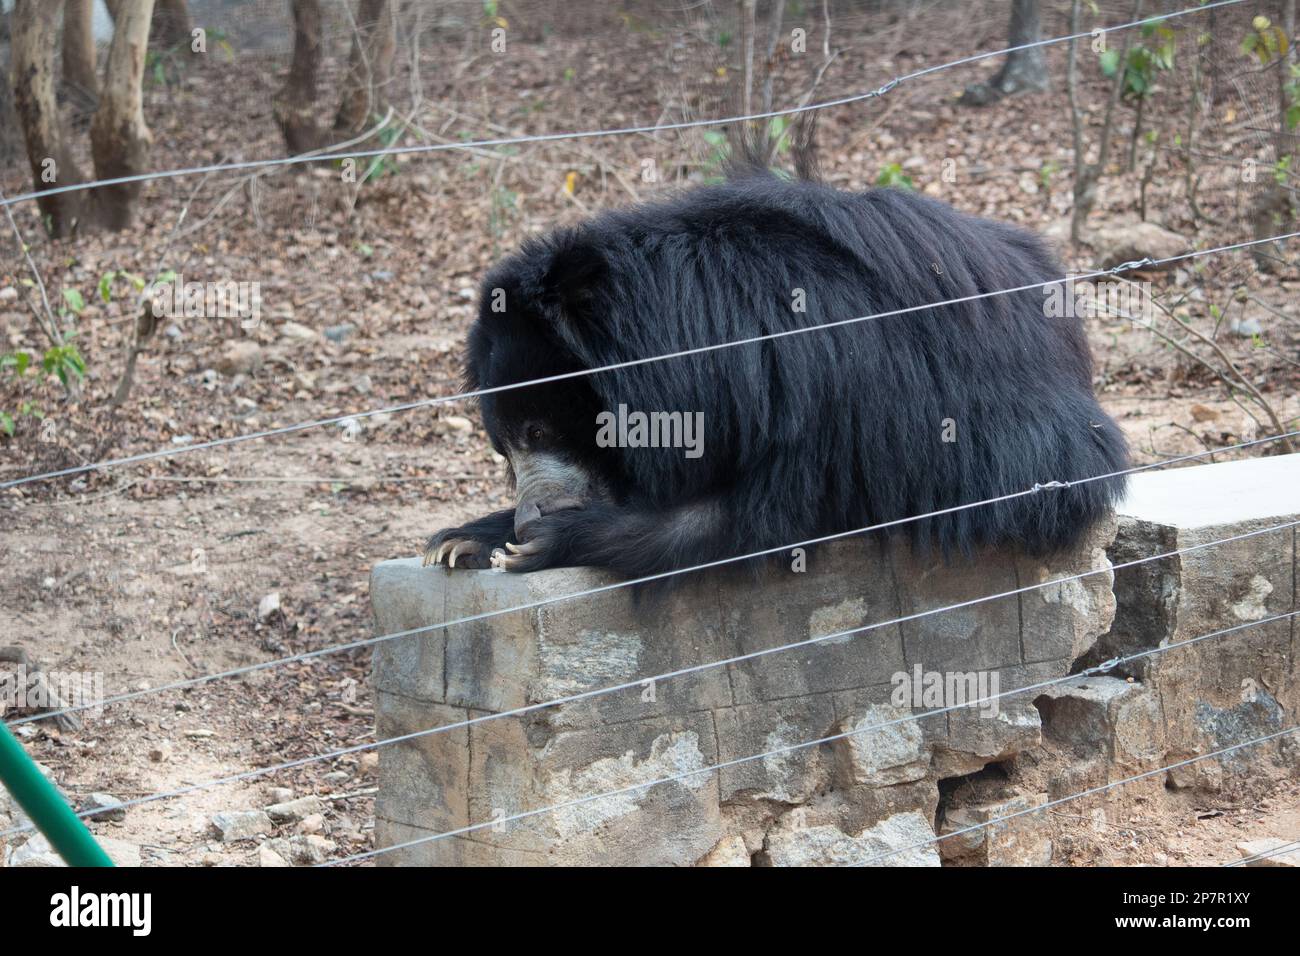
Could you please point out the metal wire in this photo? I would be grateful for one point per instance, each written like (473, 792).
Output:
(1091, 791)
(672, 778)
(1291, 847)
(590, 134)
(357, 748)
(752, 340)
(601, 589)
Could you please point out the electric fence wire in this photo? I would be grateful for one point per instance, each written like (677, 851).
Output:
(605, 588)
(1091, 791)
(859, 731)
(763, 652)
(1268, 854)
(596, 133)
(174, 452)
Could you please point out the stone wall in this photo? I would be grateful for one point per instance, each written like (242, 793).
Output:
(1217, 692)
(871, 791)
(835, 802)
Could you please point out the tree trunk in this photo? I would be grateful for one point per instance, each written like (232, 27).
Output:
(11, 142)
(172, 28)
(295, 104)
(79, 48)
(747, 27)
(34, 26)
(369, 66)
(775, 21)
(119, 138)
(1087, 175)
(1023, 70)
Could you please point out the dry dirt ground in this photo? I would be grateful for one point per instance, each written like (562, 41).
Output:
(153, 573)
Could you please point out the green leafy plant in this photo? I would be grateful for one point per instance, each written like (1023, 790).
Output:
(777, 133)
(1282, 170)
(1046, 172)
(893, 175)
(1153, 54)
(1265, 41)
(63, 361)
(383, 165)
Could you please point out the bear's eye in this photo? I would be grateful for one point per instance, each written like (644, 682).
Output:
(535, 433)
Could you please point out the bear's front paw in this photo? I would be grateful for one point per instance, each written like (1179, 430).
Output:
(548, 545)
(521, 558)
(456, 548)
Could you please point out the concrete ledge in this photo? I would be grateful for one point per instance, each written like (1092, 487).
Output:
(1228, 689)
(1221, 494)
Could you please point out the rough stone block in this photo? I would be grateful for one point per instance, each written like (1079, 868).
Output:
(1025, 840)
(904, 839)
(1227, 689)
(1271, 851)
(1110, 716)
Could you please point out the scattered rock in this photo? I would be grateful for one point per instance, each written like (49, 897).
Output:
(241, 824)
(268, 605)
(294, 810)
(37, 851)
(1123, 241)
(8, 294)
(339, 333)
(457, 423)
(1247, 328)
(298, 331)
(302, 850)
(337, 776)
(268, 857)
(120, 852)
(241, 357)
(312, 824)
(104, 806)
(279, 794)
(1251, 848)
(34, 852)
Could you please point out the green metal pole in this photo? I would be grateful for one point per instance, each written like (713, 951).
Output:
(47, 808)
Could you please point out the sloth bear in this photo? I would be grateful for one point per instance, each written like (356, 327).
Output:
(800, 436)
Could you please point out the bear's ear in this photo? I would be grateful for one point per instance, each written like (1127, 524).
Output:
(577, 269)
